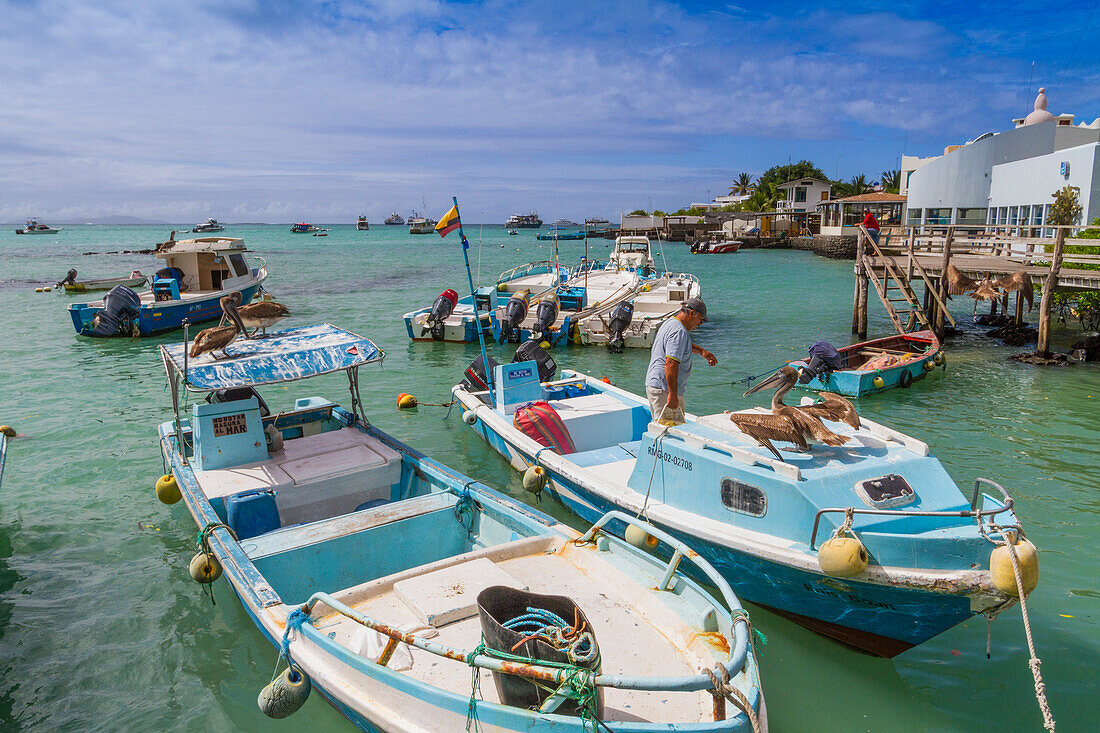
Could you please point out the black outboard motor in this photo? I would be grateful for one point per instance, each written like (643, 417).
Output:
(477, 377)
(70, 279)
(620, 321)
(545, 314)
(443, 307)
(531, 351)
(823, 359)
(514, 313)
(121, 307)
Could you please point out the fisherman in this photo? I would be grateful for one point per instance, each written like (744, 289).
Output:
(670, 362)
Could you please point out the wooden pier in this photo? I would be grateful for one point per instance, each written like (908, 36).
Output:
(904, 255)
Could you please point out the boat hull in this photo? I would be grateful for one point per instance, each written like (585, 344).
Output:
(370, 695)
(861, 382)
(105, 284)
(160, 316)
(843, 609)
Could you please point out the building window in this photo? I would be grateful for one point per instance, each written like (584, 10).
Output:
(991, 217)
(1013, 215)
(1002, 217)
(799, 194)
(913, 216)
(971, 217)
(938, 216)
(1024, 215)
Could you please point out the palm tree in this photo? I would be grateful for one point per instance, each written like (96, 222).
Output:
(891, 181)
(859, 185)
(742, 185)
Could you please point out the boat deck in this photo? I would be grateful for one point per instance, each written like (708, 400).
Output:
(438, 601)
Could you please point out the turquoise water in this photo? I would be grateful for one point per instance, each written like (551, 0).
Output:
(101, 628)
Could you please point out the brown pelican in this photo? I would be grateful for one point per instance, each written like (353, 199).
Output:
(219, 337)
(259, 314)
(799, 425)
(958, 283)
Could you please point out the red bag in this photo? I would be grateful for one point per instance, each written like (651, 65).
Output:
(540, 422)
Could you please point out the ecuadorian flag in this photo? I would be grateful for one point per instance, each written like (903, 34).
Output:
(449, 222)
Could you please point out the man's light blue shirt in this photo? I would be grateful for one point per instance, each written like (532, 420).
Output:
(672, 341)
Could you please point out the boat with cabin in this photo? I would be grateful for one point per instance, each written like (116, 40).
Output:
(394, 219)
(362, 225)
(211, 225)
(320, 522)
(873, 366)
(714, 247)
(33, 226)
(524, 221)
(420, 224)
(870, 542)
(303, 228)
(197, 273)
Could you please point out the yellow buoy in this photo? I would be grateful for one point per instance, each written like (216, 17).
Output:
(1000, 567)
(877, 381)
(842, 557)
(168, 491)
(285, 694)
(39, 290)
(7, 430)
(544, 344)
(405, 401)
(502, 288)
(939, 358)
(534, 480)
(640, 538)
(205, 568)
(930, 365)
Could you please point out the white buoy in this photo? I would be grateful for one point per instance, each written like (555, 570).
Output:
(284, 695)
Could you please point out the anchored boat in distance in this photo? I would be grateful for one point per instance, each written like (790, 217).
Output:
(34, 227)
(211, 225)
(394, 219)
(524, 221)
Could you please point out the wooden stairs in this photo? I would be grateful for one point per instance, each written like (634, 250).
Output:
(895, 289)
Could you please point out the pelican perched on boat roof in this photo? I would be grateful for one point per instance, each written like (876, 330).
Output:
(259, 314)
(219, 337)
(799, 425)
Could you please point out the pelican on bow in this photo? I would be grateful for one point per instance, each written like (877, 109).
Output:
(219, 337)
(799, 425)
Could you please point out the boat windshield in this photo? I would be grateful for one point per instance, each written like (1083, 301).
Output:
(286, 356)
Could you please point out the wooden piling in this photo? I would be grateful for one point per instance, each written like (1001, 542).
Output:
(1049, 285)
(939, 319)
(859, 312)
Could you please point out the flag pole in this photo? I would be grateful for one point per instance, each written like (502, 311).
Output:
(473, 301)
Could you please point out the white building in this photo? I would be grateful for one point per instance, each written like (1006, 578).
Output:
(803, 194)
(720, 202)
(1009, 178)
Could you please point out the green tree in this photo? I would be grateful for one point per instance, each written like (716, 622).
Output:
(891, 181)
(1066, 207)
(742, 185)
(779, 174)
(638, 212)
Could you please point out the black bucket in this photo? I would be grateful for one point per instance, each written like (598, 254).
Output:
(496, 606)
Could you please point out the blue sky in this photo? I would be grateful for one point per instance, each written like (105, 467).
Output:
(253, 111)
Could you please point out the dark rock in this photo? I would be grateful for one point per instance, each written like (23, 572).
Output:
(1087, 349)
(1034, 357)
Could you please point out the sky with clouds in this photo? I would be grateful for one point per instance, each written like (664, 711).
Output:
(291, 110)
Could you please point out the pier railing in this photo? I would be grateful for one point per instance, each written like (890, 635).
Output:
(1023, 245)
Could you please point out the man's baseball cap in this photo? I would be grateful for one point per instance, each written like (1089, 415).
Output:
(695, 304)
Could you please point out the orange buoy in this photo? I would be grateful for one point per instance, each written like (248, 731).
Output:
(405, 401)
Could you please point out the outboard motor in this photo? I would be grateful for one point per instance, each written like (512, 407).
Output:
(620, 321)
(531, 351)
(824, 358)
(477, 377)
(70, 279)
(545, 314)
(121, 307)
(443, 307)
(515, 310)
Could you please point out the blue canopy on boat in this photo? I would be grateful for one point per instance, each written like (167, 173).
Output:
(281, 356)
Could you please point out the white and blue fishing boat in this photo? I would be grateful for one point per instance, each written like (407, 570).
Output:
(916, 552)
(873, 366)
(386, 579)
(197, 274)
(3, 454)
(451, 318)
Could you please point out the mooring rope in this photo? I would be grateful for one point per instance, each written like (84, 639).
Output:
(720, 679)
(1033, 661)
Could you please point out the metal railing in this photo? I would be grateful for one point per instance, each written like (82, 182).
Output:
(974, 512)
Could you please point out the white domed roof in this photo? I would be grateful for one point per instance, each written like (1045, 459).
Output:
(1040, 114)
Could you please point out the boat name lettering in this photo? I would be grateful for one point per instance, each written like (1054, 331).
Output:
(669, 458)
(848, 597)
(229, 425)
